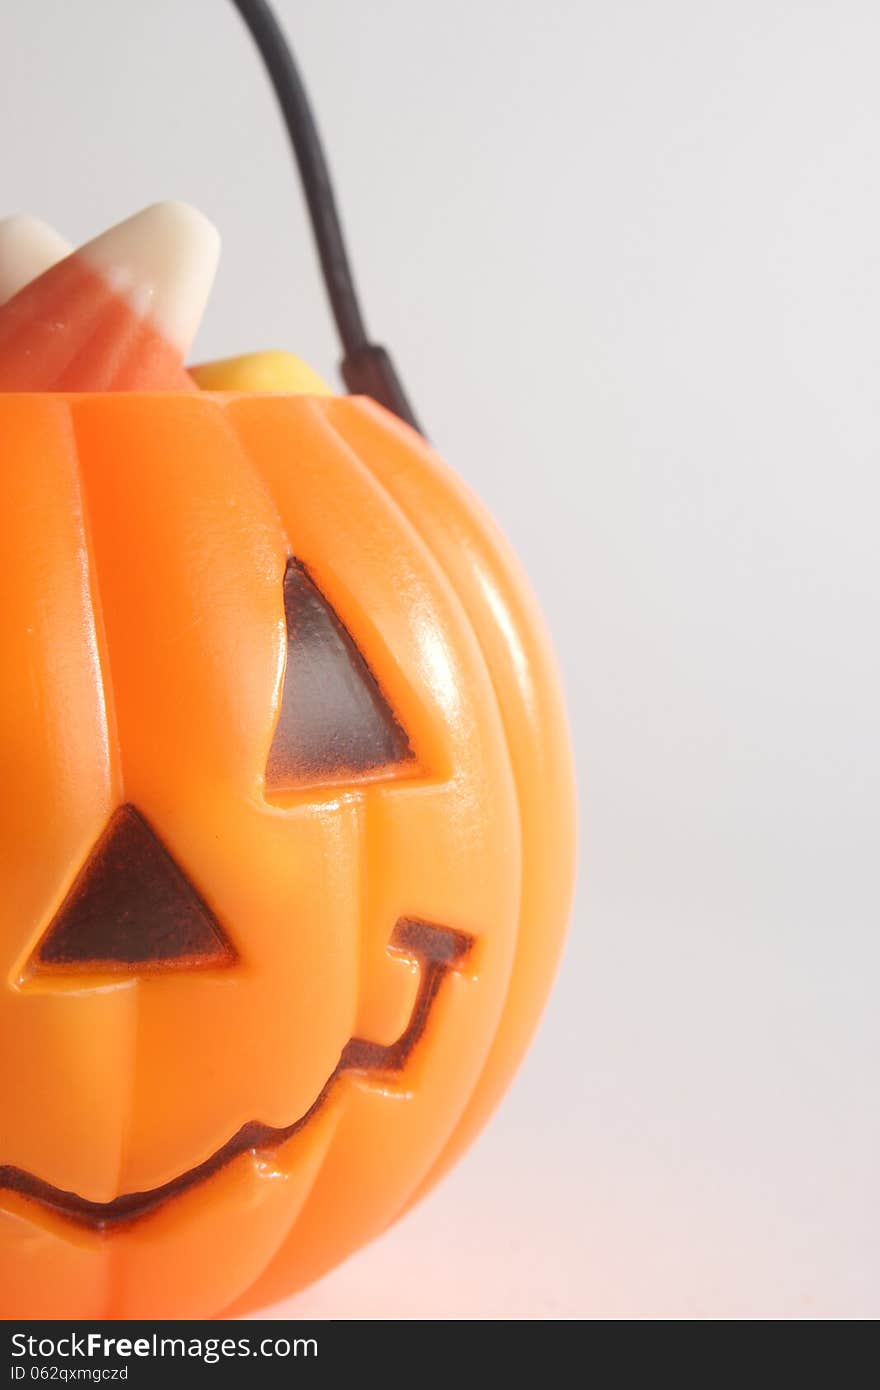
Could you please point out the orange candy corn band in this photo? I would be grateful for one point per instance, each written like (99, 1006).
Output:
(69, 331)
(117, 315)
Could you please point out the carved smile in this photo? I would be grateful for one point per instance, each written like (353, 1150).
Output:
(436, 950)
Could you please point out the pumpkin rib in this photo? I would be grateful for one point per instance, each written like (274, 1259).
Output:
(267, 1287)
(105, 666)
(471, 542)
(227, 420)
(105, 659)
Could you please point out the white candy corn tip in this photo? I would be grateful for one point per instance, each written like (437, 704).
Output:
(28, 247)
(163, 261)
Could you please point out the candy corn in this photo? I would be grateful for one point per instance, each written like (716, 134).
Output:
(119, 314)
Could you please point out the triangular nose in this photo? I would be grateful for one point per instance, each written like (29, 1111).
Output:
(131, 905)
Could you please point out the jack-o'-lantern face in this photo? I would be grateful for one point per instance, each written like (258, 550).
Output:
(285, 842)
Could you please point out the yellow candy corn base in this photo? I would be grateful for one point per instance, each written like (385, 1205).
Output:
(260, 371)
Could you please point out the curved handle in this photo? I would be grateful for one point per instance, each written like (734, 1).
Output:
(366, 367)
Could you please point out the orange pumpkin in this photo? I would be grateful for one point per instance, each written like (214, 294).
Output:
(286, 844)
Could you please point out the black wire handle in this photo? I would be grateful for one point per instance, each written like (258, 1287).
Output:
(366, 367)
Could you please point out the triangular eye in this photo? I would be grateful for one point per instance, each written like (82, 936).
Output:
(334, 722)
(131, 905)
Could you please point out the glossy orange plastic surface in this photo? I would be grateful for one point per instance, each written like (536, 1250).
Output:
(183, 1137)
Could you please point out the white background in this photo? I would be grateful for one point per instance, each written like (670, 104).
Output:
(627, 257)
